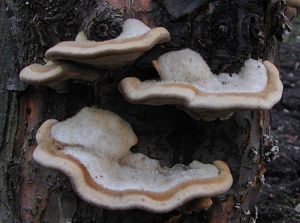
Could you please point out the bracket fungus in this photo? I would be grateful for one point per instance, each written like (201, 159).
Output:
(93, 150)
(135, 39)
(55, 74)
(293, 3)
(186, 81)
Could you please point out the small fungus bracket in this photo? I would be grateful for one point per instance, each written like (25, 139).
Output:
(55, 74)
(293, 3)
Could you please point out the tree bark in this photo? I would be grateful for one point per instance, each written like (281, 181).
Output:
(32, 193)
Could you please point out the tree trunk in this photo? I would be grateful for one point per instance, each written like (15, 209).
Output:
(32, 193)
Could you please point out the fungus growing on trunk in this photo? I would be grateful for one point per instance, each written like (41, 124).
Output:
(93, 150)
(135, 39)
(293, 3)
(55, 74)
(188, 66)
(186, 81)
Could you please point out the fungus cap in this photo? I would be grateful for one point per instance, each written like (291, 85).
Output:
(135, 39)
(189, 67)
(93, 150)
(55, 73)
(204, 95)
(293, 3)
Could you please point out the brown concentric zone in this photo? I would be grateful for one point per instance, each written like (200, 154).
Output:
(133, 90)
(109, 47)
(38, 74)
(57, 72)
(54, 148)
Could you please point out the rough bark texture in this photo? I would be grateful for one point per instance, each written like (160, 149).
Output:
(32, 193)
(281, 192)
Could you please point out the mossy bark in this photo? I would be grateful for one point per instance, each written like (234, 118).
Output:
(32, 193)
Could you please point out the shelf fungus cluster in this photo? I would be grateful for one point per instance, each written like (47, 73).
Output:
(93, 150)
(187, 82)
(93, 147)
(69, 59)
